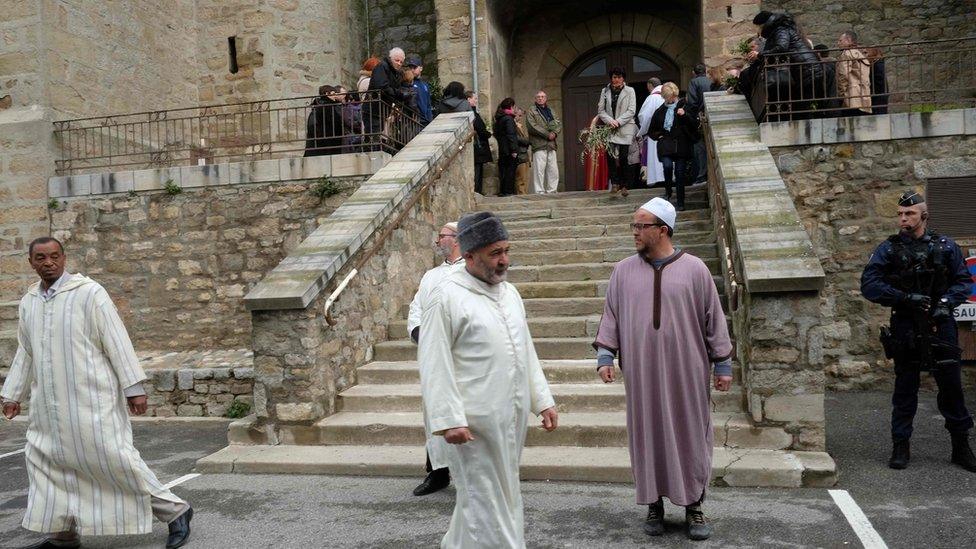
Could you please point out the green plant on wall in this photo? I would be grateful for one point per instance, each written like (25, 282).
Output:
(238, 409)
(53, 204)
(324, 187)
(172, 188)
(743, 47)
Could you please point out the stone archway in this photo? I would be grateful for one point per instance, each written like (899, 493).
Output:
(585, 80)
(544, 56)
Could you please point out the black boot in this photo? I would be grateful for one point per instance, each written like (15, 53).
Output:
(962, 454)
(681, 197)
(667, 191)
(436, 480)
(179, 530)
(900, 455)
(698, 527)
(654, 525)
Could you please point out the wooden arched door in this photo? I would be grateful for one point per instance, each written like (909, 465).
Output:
(583, 83)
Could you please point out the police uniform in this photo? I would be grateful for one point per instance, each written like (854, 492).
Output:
(922, 280)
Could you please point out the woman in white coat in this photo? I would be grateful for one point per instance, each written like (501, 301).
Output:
(618, 109)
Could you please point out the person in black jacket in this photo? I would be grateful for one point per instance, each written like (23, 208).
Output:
(482, 147)
(675, 132)
(794, 84)
(385, 85)
(507, 137)
(323, 129)
(827, 103)
(700, 84)
(879, 84)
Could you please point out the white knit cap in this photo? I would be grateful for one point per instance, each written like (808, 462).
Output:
(662, 209)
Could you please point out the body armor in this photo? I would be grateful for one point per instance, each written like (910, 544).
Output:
(918, 266)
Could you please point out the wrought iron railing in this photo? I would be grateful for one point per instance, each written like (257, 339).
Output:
(277, 128)
(903, 77)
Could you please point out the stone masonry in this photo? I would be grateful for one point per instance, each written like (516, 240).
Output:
(301, 362)
(408, 24)
(847, 194)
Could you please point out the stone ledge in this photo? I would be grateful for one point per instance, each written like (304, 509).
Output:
(299, 278)
(213, 175)
(878, 127)
(773, 249)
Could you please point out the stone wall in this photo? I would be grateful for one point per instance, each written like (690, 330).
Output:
(847, 194)
(407, 24)
(302, 358)
(880, 21)
(199, 384)
(178, 265)
(285, 48)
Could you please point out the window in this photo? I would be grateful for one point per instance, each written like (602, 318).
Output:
(952, 206)
(642, 64)
(232, 51)
(596, 68)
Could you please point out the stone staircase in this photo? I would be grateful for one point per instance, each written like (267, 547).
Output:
(563, 250)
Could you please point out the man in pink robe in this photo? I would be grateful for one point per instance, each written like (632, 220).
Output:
(664, 318)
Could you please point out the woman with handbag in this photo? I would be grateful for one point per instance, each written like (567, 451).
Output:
(507, 138)
(675, 131)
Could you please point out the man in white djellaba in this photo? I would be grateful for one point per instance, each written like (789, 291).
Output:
(481, 378)
(446, 244)
(75, 360)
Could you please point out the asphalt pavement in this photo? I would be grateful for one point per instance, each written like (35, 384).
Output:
(931, 504)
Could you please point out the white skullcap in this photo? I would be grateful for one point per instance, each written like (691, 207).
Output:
(452, 225)
(662, 209)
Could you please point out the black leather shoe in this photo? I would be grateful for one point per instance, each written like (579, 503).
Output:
(962, 454)
(900, 455)
(654, 525)
(436, 481)
(51, 543)
(698, 528)
(179, 530)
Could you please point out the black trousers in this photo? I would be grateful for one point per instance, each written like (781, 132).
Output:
(479, 177)
(618, 166)
(950, 399)
(506, 175)
(430, 468)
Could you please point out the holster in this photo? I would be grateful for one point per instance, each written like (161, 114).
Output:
(892, 347)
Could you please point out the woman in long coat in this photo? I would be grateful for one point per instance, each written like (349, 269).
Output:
(507, 137)
(675, 132)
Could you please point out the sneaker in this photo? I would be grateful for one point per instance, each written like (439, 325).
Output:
(654, 525)
(698, 527)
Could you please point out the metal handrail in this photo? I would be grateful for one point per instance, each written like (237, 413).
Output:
(934, 73)
(277, 128)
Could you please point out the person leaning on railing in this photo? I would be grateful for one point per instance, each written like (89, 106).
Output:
(853, 76)
(385, 83)
(794, 85)
(323, 128)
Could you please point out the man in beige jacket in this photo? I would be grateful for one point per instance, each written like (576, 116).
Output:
(853, 76)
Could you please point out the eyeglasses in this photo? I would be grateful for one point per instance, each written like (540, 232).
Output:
(642, 226)
(442, 236)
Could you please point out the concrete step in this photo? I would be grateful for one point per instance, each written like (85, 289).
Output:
(567, 326)
(557, 371)
(591, 231)
(730, 466)
(570, 397)
(596, 217)
(582, 199)
(595, 429)
(546, 347)
(600, 242)
(611, 255)
(695, 210)
(563, 306)
(583, 271)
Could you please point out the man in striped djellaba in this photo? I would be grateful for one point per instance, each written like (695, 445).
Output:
(76, 361)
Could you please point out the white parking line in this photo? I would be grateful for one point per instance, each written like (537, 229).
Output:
(870, 537)
(21, 451)
(181, 480)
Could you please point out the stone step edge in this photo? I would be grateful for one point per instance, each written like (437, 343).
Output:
(730, 467)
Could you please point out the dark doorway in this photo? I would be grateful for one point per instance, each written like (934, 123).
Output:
(584, 81)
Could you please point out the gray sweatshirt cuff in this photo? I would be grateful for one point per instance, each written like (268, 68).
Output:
(134, 391)
(604, 357)
(724, 368)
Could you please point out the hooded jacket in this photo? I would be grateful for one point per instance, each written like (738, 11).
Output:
(453, 104)
(783, 37)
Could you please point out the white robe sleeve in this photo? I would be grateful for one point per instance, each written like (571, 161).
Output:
(415, 316)
(115, 342)
(538, 384)
(438, 385)
(21, 372)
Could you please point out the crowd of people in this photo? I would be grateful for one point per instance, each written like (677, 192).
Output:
(802, 80)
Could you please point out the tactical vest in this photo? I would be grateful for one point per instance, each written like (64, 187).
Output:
(918, 266)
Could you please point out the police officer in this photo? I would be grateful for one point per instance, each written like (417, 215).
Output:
(921, 275)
